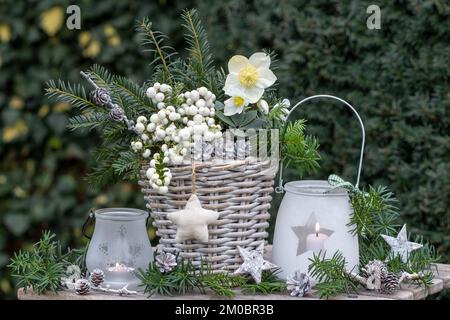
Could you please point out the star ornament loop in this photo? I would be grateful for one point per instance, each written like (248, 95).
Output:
(400, 245)
(192, 222)
(254, 263)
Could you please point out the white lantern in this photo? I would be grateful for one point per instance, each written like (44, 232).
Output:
(119, 246)
(313, 217)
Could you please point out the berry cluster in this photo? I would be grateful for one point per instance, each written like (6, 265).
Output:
(171, 131)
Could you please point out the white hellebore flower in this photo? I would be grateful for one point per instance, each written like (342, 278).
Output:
(263, 106)
(249, 77)
(234, 105)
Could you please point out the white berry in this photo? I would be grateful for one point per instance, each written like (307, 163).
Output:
(151, 92)
(194, 95)
(139, 128)
(200, 103)
(146, 153)
(164, 88)
(160, 97)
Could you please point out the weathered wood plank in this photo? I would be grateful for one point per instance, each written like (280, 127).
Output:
(397, 295)
(442, 267)
(70, 295)
(442, 271)
(407, 291)
(420, 292)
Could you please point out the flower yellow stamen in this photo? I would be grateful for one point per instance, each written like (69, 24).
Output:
(248, 76)
(238, 101)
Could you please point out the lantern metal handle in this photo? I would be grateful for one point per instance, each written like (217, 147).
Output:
(279, 188)
(90, 218)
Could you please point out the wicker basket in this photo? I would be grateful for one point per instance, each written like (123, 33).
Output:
(240, 190)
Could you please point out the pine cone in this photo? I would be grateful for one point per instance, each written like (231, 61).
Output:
(298, 284)
(166, 261)
(116, 114)
(97, 277)
(376, 267)
(82, 286)
(101, 96)
(389, 283)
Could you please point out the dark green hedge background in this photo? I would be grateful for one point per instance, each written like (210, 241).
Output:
(397, 78)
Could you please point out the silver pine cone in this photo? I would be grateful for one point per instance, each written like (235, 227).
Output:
(82, 286)
(376, 267)
(97, 277)
(101, 96)
(298, 284)
(166, 261)
(389, 283)
(116, 114)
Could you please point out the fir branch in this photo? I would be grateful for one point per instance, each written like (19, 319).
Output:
(184, 278)
(155, 282)
(102, 175)
(200, 56)
(331, 275)
(71, 93)
(87, 120)
(101, 76)
(42, 268)
(134, 97)
(298, 149)
(126, 163)
(269, 284)
(155, 39)
(374, 212)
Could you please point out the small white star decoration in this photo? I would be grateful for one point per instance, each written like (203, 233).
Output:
(192, 222)
(400, 245)
(254, 263)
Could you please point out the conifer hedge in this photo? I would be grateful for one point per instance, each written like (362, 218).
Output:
(397, 77)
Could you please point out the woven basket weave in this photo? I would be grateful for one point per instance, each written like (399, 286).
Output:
(240, 190)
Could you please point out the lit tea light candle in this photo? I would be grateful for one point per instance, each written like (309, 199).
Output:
(315, 241)
(120, 267)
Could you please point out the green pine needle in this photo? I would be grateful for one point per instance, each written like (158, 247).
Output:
(298, 149)
(154, 40)
(331, 275)
(42, 267)
(201, 59)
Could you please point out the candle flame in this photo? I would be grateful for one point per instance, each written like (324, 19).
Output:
(317, 227)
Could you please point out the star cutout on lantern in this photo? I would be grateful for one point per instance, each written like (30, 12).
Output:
(192, 222)
(400, 245)
(303, 231)
(254, 262)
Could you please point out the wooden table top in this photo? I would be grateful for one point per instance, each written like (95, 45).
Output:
(406, 292)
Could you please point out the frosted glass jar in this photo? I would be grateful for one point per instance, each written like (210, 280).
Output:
(119, 246)
(313, 216)
(306, 204)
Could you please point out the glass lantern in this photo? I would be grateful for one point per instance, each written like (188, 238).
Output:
(119, 246)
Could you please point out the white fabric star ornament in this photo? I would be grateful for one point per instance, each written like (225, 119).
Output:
(254, 263)
(192, 222)
(400, 245)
